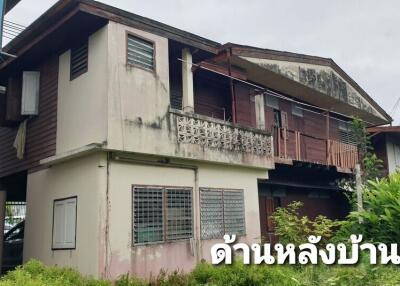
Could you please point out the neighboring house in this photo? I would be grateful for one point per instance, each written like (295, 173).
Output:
(144, 144)
(386, 143)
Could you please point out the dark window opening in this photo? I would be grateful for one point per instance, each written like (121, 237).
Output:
(277, 118)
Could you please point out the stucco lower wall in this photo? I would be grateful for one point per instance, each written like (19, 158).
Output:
(149, 259)
(84, 178)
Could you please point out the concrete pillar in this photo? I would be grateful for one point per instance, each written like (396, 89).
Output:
(260, 113)
(3, 197)
(187, 81)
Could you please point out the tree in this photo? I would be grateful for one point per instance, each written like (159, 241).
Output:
(371, 165)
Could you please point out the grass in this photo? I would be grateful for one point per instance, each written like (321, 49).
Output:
(34, 273)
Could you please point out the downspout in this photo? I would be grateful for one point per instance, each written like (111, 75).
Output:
(196, 196)
(107, 220)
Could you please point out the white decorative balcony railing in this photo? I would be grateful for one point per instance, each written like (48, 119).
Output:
(213, 134)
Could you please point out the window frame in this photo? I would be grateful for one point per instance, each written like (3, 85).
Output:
(78, 45)
(273, 102)
(164, 188)
(297, 111)
(129, 33)
(223, 190)
(76, 223)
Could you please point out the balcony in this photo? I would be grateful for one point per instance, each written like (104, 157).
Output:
(293, 145)
(216, 135)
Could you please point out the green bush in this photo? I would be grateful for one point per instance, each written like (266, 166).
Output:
(35, 273)
(381, 214)
(292, 228)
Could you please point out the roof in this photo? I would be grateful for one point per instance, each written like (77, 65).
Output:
(64, 10)
(243, 50)
(384, 129)
(10, 4)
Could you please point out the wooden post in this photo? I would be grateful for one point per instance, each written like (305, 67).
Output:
(327, 138)
(3, 197)
(359, 190)
(233, 92)
(285, 141)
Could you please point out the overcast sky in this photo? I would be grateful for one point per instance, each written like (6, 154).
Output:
(361, 36)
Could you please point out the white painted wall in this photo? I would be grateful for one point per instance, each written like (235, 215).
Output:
(138, 112)
(82, 102)
(84, 178)
(393, 153)
(149, 259)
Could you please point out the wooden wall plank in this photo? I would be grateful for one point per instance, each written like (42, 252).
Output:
(41, 130)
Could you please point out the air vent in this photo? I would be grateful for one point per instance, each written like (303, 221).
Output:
(140, 53)
(79, 59)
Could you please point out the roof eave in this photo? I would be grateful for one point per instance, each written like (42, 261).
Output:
(289, 56)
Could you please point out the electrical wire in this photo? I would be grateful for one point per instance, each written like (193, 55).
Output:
(395, 107)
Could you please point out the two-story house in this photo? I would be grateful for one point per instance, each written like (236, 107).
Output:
(139, 145)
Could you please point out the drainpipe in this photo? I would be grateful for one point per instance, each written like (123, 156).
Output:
(107, 259)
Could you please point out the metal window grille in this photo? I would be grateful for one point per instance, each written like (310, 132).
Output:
(211, 214)
(345, 133)
(148, 215)
(161, 214)
(79, 60)
(15, 213)
(221, 212)
(234, 212)
(140, 53)
(179, 214)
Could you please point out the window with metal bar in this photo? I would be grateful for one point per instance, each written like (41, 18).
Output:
(140, 53)
(179, 214)
(221, 212)
(161, 214)
(79, 59)
(346, 134)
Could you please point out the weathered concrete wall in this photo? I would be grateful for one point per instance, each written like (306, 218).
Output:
(85, 178)
(139, 118)
(82, 102)
(393, 153)
(146, 259)
(322, 78)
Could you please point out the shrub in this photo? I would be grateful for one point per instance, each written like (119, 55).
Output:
(292, 228)
(381, 214)
(34, 273)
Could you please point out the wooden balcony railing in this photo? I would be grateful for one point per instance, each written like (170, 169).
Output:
(294, 145)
